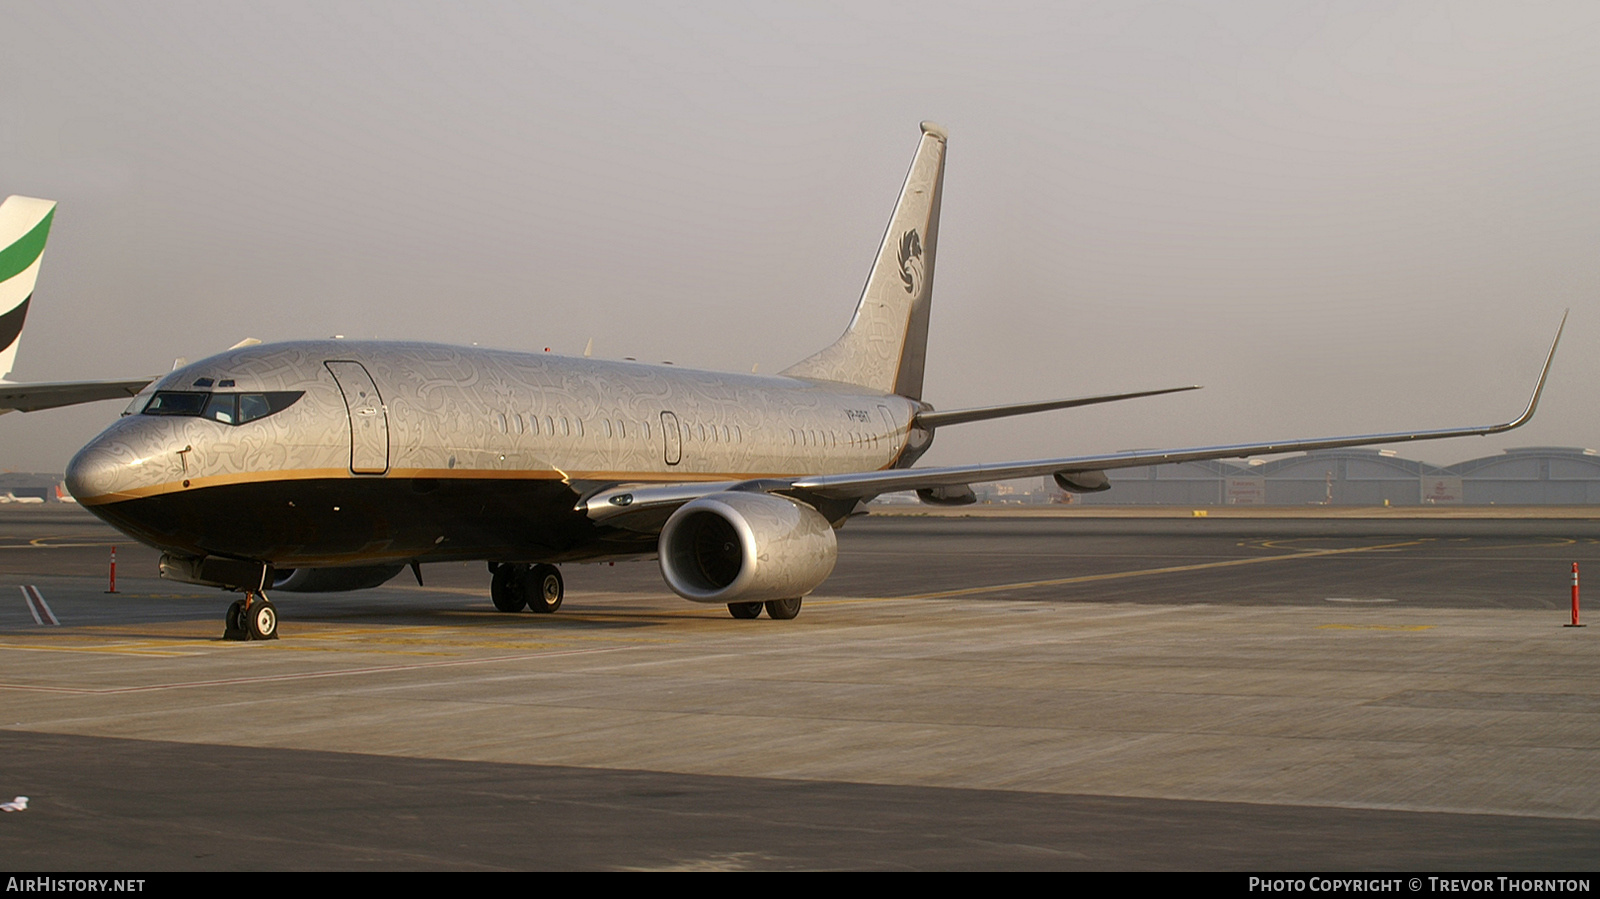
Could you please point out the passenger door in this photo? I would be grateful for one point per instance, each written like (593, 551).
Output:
(369, 420)
(673, 439)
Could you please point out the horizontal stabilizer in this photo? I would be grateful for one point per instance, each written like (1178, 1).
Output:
(932, 419)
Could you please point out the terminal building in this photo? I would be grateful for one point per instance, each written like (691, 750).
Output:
(1528, 476)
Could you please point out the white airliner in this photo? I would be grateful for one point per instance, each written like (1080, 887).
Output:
(332, 465)
(9, 497)
(24, 227)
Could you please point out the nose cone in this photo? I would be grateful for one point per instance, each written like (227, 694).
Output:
(108, 469)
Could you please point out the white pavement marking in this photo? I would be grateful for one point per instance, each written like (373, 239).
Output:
(38, 607)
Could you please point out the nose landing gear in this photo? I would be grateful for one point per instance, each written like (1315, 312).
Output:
(251, 618)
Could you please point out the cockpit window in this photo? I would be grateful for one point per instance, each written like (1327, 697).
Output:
(228, 408)
(173, 402)
(223, 407)
(137, 406)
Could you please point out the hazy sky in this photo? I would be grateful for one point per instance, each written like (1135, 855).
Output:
(1339, 217)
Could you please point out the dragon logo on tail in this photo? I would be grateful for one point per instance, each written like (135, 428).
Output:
(911, 261)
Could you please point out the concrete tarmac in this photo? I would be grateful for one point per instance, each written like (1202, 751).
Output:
(962, 693)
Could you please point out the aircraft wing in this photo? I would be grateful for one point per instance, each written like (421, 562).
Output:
(1087, 472)
(644, 507)
(51, 394)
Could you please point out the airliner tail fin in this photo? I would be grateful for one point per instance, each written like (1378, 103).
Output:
(885, 346)
(24, 225)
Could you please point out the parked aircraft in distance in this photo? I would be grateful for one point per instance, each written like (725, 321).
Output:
(332, 465)
(24, 227)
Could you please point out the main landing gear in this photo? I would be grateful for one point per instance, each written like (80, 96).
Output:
(517, 586)
(251, 618)
(779, 609)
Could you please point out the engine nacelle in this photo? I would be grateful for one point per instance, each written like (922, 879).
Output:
(745, 547)
(1082, 481)
(957, 495)
(332, 580)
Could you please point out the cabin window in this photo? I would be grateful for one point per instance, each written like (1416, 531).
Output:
(579, 423)
(607, 423)
(646, 430)
(519, 422)
(500, 422)
(564, 430)
(550, 426)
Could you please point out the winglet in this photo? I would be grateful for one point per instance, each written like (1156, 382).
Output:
(1533, 402)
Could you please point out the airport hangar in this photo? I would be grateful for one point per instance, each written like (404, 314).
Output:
(1526, 476)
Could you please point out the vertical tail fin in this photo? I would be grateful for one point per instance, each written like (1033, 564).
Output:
(886, 344)
(24, 225)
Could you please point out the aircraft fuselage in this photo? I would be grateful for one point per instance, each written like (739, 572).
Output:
(395, 452)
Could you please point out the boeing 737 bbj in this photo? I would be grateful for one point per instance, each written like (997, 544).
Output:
(330, 464)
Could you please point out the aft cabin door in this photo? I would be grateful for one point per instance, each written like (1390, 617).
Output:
(673, 440)
(369, 421)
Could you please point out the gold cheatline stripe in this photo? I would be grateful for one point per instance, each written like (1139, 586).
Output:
(307, 474)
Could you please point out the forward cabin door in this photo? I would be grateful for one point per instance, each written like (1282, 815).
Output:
(369, 420)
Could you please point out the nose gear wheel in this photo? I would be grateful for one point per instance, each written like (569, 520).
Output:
(252, 618)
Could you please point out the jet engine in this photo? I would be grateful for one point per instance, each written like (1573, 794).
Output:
(332, 580)
(745, 547)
